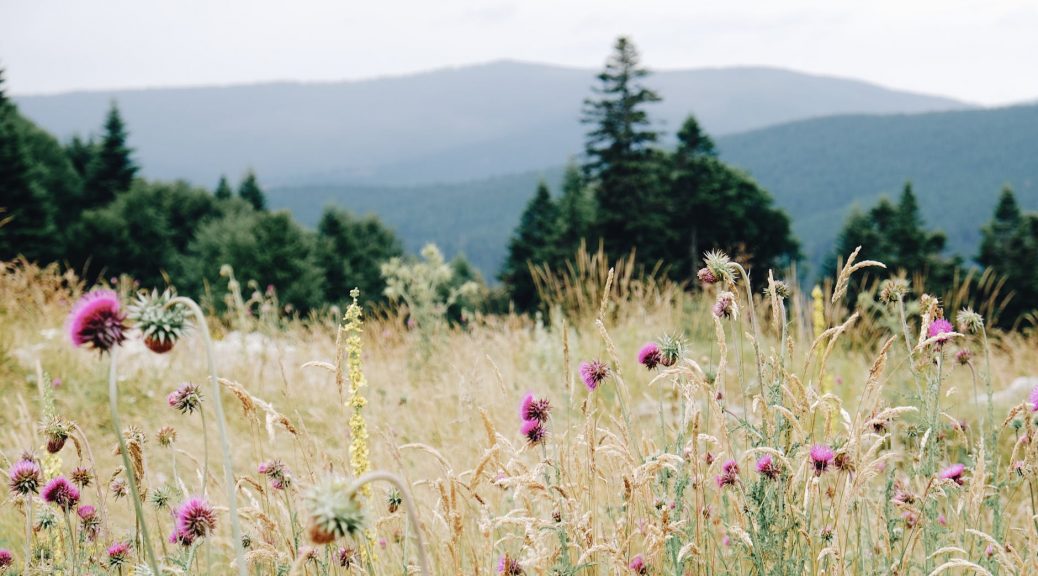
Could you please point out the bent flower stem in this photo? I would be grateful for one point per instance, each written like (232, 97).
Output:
(412, 512)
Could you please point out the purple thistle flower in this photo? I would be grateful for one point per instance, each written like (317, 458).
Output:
(81, 477)
(195, 519)
(637, 565)
(97, 322)
(6, 559)
(508, 566)
(706, 276)
(593, 373)
(650, 355)
(90, 520)
(186, 398)
(117, 554)
(821, 456)
(346, 555)
(61, 493)
(277, 473)
(766, 467)
(725, 306)
(953, 473)
(729, 475)
(25, 477)
(1033, 399)
(941, 329)
(533, 430)
(532, 408)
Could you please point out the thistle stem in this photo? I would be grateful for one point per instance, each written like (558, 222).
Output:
(131, 476)
(412, 512)
(221, 421)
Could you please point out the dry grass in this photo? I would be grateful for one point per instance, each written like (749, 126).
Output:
(626, 470)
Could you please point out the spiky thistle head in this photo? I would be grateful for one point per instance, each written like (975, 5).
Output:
(118, 553)
(726, 307)
(57, 431)
(672, 348)
(593, 373)
(821, 457)
(277, 473)
(346, 556)
(534, 431)
(160, 321)
(969, 321)
(161, 497)
(97, 322)
(953, 473)
(25, 477)
(61, 493)
(167, 436)
(638, 566)
(187, 398)
(533, 408)
(508, 566)
(893, 290)
(650, 355)
(719, 266)
(81, 476)
(767, 467)
(195, 519)
(334, 510)
(6, 559)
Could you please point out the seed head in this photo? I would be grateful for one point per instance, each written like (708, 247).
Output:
(167, 436)
(893, 290)
(720, 266)
(671, 350)
(963, 356)
(969, 321)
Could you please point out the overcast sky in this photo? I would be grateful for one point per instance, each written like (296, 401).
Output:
(982, 51)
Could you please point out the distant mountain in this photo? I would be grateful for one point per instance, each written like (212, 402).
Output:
(816, 169)
(447, 125)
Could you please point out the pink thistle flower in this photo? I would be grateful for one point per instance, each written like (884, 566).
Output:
(942, 520)
(117, 554)
(195, 519)
(729, 474)
(186, 398)
(725, 306)
(941, 329)
(706, 276)
(346, 556)
(25, 477)
(61, 493)
(97, 322)
(593, 373)
(650, 355)
(532, 408)
(953, 473)
(989, 551)
(1033, 399)
(508, 566)
(767, 467)
(6, 559)
(90, 520)
(277, 473)
(637, 565)
(963, 356)
(821, 457)
(533, 430)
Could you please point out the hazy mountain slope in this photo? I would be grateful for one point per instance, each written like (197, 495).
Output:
(816, 169)
(445, 125)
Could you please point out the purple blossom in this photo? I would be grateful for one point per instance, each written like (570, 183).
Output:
(650, 355)
(821, 457)
(940, 329)
(25, 477)
(195, 519)
(593, 373)
(532, 408)
(533, 430)
(766, 467)
(61, 493)
(117, 554)
(96, 321)
(953, 473)
(637, 565)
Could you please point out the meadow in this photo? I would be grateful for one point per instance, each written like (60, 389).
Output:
(670, 431)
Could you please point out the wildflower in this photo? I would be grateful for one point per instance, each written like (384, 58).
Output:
(729, 474)
(61, 493)
(334, 511)
(351, 330)
(160, 323)
(903, 496)
(637, 565)
(969, 321)
(843, 462)
(911, 519)
(940, 329)
(81, 476)
(942, 520)
(821, 457)
(726, 307)
(708, 458)
(117, 554)
(393, 501)
(160, 497)
(671, 350)
(893, 290)
(167, 436)
(706, 276)
(346, 556)
(195, 519)
(6, 559)
(989, 551)
(25, 477)
(277, 473)
(963, 356)
(90, 520)
(593, 373)
(508, 566)
(650, 356)
(953, 473)
(766, 467)
(97, 322)
(781, 289)
(118, 488)
(57, 430)
(720, 266)
(533, 430)
(187, 398)
(535, 409)
(1033, 399)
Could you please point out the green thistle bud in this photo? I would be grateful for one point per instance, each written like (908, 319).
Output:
(160, 323)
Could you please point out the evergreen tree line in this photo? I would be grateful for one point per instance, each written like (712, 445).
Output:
(632, 194)
(83, 204)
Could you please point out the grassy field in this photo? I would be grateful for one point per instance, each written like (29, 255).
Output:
(796, 436)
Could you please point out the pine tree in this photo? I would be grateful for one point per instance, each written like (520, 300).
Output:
(623, 163)
(27, 220)
(576, 215)
(112, 168)
(223, 189)
(534, 242)
(250, 191)
(1009, 246)
(350, 252)
(81, 154)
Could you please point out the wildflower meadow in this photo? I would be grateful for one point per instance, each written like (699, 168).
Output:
(636, 428)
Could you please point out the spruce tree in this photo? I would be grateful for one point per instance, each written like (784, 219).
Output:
(81, 154)
(534, 242)
(1009, 246)
(622, 161)
(576, 215)
(223, 189)
(250, 191)
(112, 168)
(350, 252)
(26, 223)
